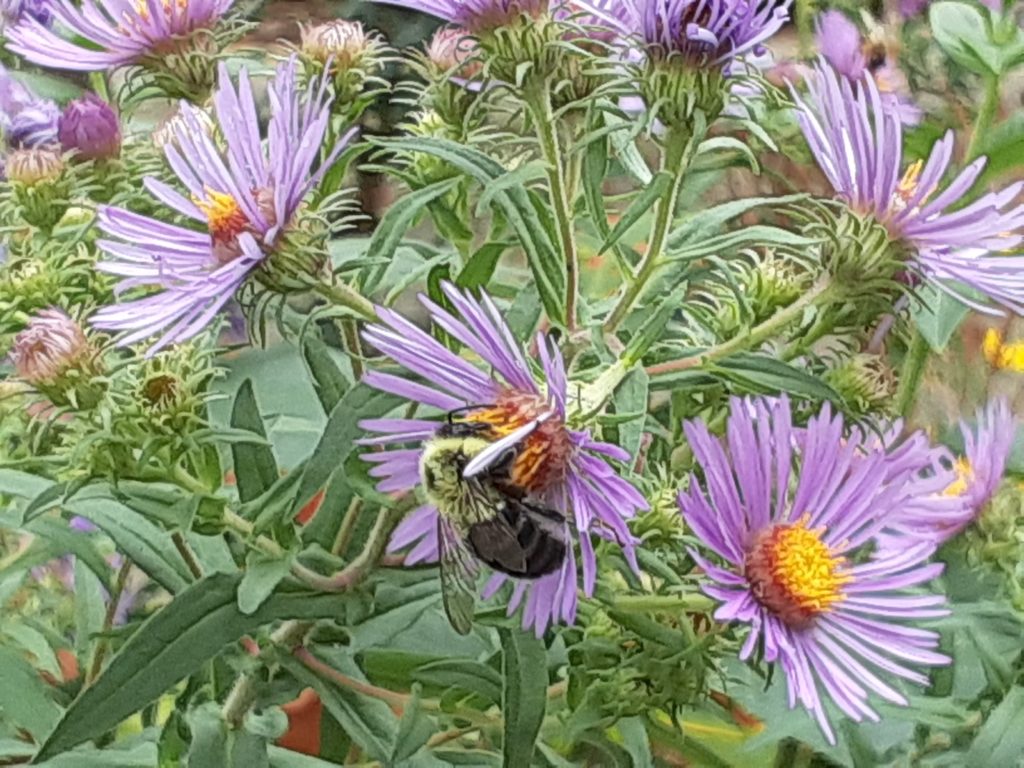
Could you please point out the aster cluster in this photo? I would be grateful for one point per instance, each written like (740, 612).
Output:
(525, 444)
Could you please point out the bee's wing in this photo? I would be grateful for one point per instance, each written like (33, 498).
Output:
(524, 540)
(458, 577)
(483, 460)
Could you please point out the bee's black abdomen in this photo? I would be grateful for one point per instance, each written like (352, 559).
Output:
(522, 540)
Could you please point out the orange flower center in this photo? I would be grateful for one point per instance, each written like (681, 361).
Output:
(794, 574)
(543, 456)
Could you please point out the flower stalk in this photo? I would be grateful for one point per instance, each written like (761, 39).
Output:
(986, 115)
(679, 144)
(537, 96)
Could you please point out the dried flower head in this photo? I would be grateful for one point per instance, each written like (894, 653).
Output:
(49, 346)
(34, 166)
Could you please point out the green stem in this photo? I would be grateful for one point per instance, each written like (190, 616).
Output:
(692, 603)
(913, 372)
(348, 527)
(986, 114)
(102, 646)
(538, 100)
(675, 160)
(757, 335)
(343, 295)
(243, 692)
(181, 544)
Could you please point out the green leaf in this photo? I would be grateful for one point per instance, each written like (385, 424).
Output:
(149, 547)
(703, 224)
(467, 674)
(524, 698)
(328, 380)
(414, 729)
(631, 398)
(635, 741)
(255, 466)
(369, 722)
(143, 755)
(23, 699)
(262, 575)
(396, 222)
(756, 235)
(22, 484)
(60, 539)
(654, 326)
(514, 203)
(47, 85)
(962, 32)
(174, 643)
(481, 265)
(624, 142)
(90, 608)
(937, 315)
(1001, 740)
(339, 436)
(640, 207)
(762, 374)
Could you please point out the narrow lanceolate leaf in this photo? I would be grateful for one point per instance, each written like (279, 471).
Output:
(396, 222)
(525, 670)
(171, 645)
(937, 315)
(255, 466)
(515, 205)
(328, 380)
(640, 207)
(703, 224)
(338, 439)
(24, 700)
(766, 375)
(146, 545)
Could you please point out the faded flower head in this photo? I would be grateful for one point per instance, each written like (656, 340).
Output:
(246, 199)
(858, 143)
(25, 119)
(344, 43)
(565, 468)
(34, 166)
(89, 127)
(49, 346)
(103, 34)
(791, 515)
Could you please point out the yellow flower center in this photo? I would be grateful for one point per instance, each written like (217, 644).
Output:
(794, 574)
(142, 8)
(964, 478)
(224, 215)
(907, 188)
(542, 457)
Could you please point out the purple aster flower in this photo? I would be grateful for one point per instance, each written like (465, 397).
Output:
(115, 32)
(978, 474)
(245, 198)
(858, 143)
(843, 46)
(707, 33)
(25, 119)
(792, 513)
(89, 126)
(565, 468)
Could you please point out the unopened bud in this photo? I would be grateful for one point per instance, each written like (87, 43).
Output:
(34, 166)
(49, 347)
(345, 44)
(453, 52)
(89, 127)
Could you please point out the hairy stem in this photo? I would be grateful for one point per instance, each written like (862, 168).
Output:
(986, 114)
(538, 100)
(757, 335)
(185, 550)
(912, 373)
(692, 603)
(355, 571)
(348, 527)
(102, 646)
(675, 159)
(343, 295)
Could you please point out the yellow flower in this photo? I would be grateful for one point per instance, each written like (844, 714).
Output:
(1002, 355)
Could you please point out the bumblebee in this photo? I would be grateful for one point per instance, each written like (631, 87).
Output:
(484, 517)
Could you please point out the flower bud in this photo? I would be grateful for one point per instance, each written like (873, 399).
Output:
(34, 166)
(50, 346)
(865, 382)
(90, 127)
(345, 44)
(452, 52)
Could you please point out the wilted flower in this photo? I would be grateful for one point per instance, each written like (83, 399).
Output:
(476, 15)
(246, 197)
(25, 119)
(49, 346)
(837, 623)
(115, 33)
(858, 143)
(344, 43)
(843, 46)
(565, 468)
(89, 127)
(33, 166)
